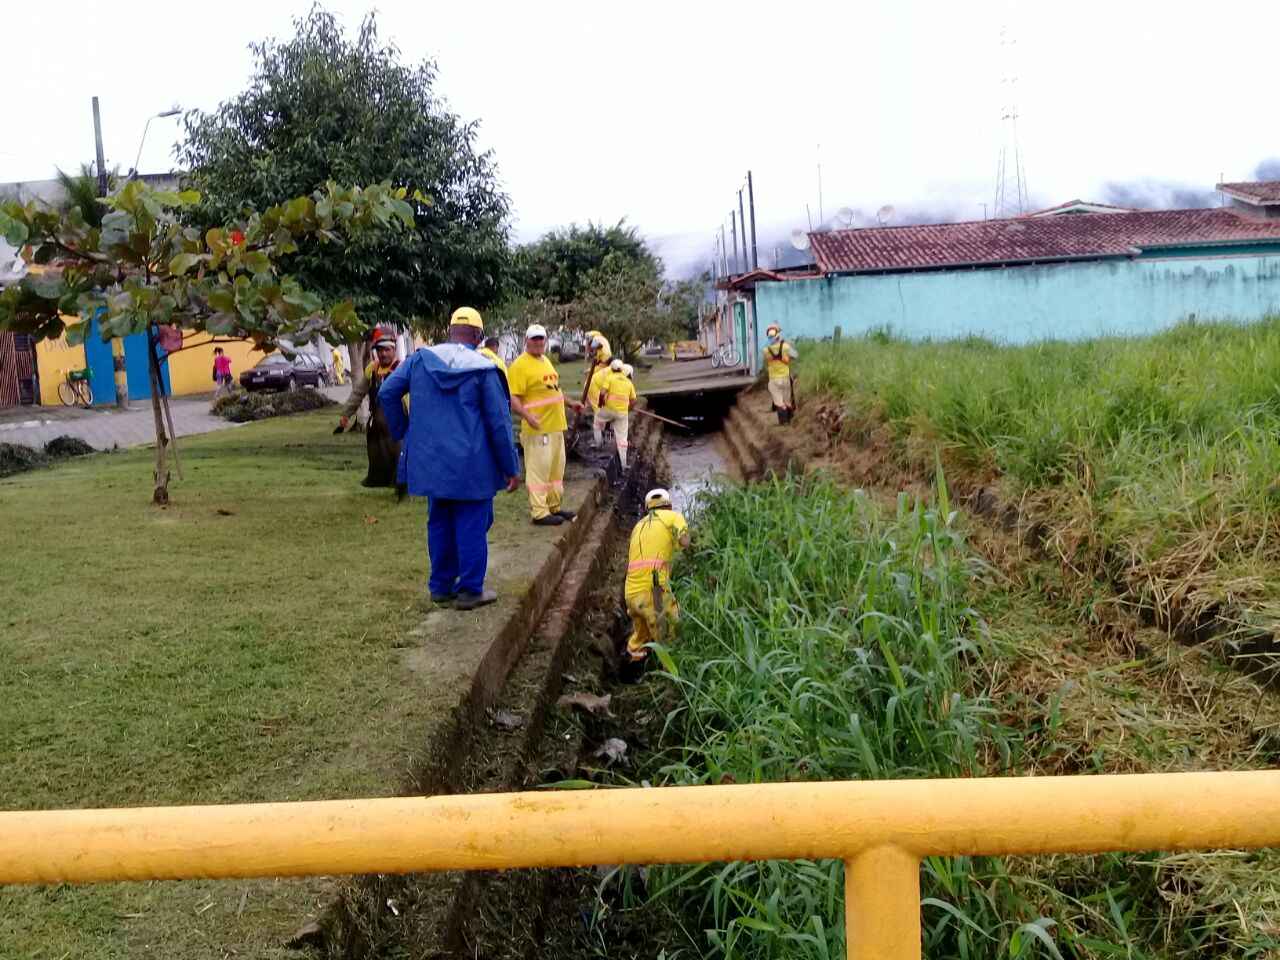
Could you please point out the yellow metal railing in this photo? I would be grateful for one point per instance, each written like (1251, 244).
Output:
(880, 829)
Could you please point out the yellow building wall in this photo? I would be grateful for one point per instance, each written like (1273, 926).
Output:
(191, 370)
(53, 359)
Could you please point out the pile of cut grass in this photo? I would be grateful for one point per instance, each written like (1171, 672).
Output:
(821, 640)
(1155, 458)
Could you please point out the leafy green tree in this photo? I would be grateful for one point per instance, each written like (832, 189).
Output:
(625, 302)
(563, 264)
(80, 190)
(145, 271)
(322, 106)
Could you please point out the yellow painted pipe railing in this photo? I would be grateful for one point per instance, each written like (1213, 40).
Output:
(880, 829)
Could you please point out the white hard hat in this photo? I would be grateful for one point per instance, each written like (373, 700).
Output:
(616, 364)
(657, 497)
(535, 330)
(628, 369)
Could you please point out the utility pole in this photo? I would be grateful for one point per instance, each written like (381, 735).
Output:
(751, 202)
(724, 254)
(117, 345)
(733, 225)
(746, 262)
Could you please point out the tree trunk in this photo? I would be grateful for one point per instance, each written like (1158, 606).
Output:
(358, 352)
(160, 496)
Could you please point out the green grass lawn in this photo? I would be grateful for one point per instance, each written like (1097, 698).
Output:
(263, 638)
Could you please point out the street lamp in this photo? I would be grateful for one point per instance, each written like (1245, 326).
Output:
(171, 112)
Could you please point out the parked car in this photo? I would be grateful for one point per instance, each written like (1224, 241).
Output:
(275, 371)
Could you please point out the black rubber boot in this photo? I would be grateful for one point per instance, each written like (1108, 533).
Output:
(782, 415)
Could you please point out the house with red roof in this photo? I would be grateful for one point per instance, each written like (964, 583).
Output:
(1073, 271)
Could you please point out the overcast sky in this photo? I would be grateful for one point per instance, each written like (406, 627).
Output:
(655, 111)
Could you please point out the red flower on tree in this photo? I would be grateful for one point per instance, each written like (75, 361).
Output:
(237, 238)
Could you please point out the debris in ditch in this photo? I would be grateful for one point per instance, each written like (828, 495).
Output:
(590, 702)
(310, 934)
(506, 720)
(612, 750)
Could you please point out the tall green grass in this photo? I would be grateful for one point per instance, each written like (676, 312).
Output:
(1159, 450)
(820, 640)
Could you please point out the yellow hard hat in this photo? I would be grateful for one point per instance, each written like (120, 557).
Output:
(467, 317)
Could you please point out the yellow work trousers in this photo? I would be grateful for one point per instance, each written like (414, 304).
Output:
(646, 625)
(780, 393)
(621, 423)
(544, 471)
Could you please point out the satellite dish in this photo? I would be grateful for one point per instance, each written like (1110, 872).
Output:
(799, 239)
(844, 217)
(884, 214)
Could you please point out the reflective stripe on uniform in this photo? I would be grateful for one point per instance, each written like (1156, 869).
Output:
(545, 401)
(647, 565)
(545, 487)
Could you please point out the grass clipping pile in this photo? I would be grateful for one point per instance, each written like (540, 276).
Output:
(16, 458)
(243, 407)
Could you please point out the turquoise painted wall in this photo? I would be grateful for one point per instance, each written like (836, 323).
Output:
(1023, 304)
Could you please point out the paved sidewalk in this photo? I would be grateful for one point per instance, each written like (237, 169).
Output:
(104, 428)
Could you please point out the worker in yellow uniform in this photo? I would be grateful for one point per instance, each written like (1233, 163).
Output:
(778, 354)
(537, 400)
(490, 349)
(339, 373)
(598, 348)
(595, 389)
(617, 397)
(650, 602)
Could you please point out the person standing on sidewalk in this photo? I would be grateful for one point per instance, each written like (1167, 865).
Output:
(537, 400)
(459, 453)
(221, 374)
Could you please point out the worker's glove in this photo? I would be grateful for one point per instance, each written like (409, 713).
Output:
(342, 425)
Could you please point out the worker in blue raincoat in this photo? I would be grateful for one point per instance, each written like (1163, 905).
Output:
(459, 453)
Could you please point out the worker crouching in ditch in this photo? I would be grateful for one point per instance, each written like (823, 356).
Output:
(650, 602)
(778, 354)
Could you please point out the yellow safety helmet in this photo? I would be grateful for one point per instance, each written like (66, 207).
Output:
(467, 317)
(657, 497)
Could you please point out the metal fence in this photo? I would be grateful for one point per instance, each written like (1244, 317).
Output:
(880, 829)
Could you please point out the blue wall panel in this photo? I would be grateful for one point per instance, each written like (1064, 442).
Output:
(1024, 304)
(98, 357)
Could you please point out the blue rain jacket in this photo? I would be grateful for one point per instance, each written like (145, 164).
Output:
(459, 443)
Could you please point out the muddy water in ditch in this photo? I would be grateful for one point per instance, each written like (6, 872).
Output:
(695, 463)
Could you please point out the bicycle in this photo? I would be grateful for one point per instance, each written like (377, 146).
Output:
(75, 389)
(725, 356)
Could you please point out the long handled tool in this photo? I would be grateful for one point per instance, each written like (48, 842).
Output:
(674, 423)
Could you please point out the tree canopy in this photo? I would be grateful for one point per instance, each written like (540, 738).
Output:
(143, 270)
(559, 267)
(322, 106)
